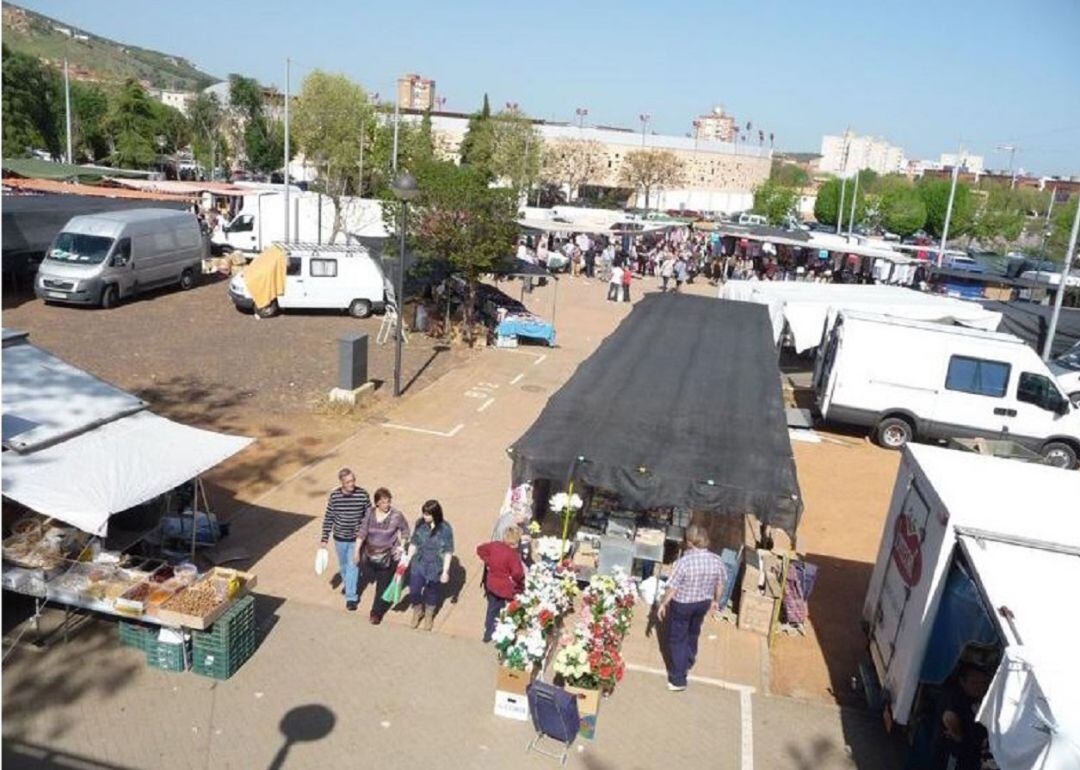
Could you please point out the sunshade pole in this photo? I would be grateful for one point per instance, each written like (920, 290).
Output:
(194, 517)
(554, 303)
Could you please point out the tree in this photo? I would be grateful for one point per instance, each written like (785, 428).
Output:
(263, 139)
(516, 149)
(1000, 217)
(330, 115)
(902, 211)
(788, 174)
(89, 112)
(1061, 222)
(460, 220)
(32, 100)
(775, 201)
(935, 194)
(477, 146)
(132, 127)
(171, 130)
(568, 162)
(206, 118)
(646, 169)
(828, 199)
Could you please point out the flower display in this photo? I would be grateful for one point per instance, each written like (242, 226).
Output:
(551, 548)
(525, 625)
(562, 501)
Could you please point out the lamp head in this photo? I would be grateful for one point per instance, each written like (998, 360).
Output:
(405, 187)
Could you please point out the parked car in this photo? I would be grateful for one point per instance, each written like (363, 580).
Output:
(910, 380)
(100, 259)
(329, 277)
(752, 219)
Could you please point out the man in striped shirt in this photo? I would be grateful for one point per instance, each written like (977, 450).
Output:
(345, 510)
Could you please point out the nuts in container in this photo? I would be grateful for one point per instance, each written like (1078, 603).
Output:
(199, 600)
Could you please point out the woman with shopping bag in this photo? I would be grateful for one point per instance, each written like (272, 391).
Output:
(379, 543)
(430, 551)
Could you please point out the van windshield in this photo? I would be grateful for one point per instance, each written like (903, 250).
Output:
(76, 247)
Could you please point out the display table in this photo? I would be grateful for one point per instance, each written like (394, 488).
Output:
(526, 325)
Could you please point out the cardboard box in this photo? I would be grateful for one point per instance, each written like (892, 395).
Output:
(510, 705)
(180, 620)
(759, 591)
(588, 703)
(513, 681)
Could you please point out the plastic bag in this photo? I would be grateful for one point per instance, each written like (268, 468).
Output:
(322, 560)
(392, 594)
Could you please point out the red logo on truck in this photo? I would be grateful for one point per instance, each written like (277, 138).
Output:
(906, 550)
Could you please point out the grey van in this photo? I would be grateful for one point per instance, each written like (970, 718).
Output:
(99, 259)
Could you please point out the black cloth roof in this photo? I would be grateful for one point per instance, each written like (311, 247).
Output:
(515, 267)
(680, 406)
(1031, 323)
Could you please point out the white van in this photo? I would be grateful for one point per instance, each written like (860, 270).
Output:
(752, 219)
(99, 259)
(922, 380)
(323, 277)
(1066, 368)
(261, 220)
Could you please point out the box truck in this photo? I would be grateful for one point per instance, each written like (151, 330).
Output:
(261, 220)
(920, 380)
(977, 558)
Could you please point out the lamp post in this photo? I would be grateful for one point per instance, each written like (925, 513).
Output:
(840, 207)
(405, 190)
(644, 118)
(948, 215)
(581, 113)
(1070, 255)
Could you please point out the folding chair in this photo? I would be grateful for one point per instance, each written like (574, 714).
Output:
(554, 715)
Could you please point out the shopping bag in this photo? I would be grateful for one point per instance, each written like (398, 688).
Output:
(322, 560)
(392, 594)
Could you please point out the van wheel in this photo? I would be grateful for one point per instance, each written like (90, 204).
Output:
(187, 279)
(360, 308)
(1059, 454)
(894, 432)
(269, 311)
(110, 297)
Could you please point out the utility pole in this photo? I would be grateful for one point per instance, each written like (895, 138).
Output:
(1066, 270)
(840, 205)
(948, 215)
(644, 118)
(854, 199)
(397, 115)
(67, 110)
(1011, 149)
(287, 231)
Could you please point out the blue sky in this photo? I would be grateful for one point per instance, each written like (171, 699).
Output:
(926, 75)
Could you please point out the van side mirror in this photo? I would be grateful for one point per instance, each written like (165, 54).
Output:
(1062, 407)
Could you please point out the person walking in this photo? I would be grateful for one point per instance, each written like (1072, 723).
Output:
(680, 272)
(430, 550)
(627, 277)
(504, 574)
(345, 512)
(614, 283)
(667, 270)
(379, 546)
(697, 582)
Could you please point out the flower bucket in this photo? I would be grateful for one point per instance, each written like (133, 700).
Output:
(588, 703)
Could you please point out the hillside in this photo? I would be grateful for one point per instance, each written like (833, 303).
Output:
(92, 57)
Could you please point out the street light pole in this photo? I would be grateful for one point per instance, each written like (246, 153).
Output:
(405, 189)
(948, 215)
(1066, 269)
(644, 118)
(67, 113)
(854, 199)
(581, 113)
(287, 232)
(840, 206)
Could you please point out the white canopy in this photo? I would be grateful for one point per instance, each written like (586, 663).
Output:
(86, 479)
(805, 306)
(1032, 710)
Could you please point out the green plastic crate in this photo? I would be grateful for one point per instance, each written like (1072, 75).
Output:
(219, 666)
(239, 619)
(167, 657)
(134, 635)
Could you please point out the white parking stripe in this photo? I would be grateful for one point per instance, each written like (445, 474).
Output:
(486, 404)
(442, 434)
(517, 379)
(740, 688)
(541, 359)
(746, 751)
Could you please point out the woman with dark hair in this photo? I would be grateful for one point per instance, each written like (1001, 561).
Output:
(430, 551)
(382, 534)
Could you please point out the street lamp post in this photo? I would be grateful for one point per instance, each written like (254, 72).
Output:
(581, 113)
(854, 199)
(1070, 255)
(948, 215)
(644, 118)
(405, 190)
(840, 205)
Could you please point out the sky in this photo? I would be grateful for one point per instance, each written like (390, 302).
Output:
(928, 75)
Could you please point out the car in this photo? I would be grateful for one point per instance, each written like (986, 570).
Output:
(964, 262)
(1066, 369)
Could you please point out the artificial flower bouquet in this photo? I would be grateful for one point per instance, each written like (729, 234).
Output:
(525, 625)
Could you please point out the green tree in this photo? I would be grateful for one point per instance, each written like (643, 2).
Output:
(647, 169)
(902, 211)
(788, 174)
(568, 162)
(828, 198)
(263, 139)
(776, 201)
(89, 112)
(459, 219)
(516, 149)
(171, 130)
(477, 146)
(32, 100)
(1061, 222)
(132, 127)
(208, 142)
(935, 194)
(331, 113)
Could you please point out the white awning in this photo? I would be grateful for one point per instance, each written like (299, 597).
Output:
(805, 306)
(1032, 710)
(86, 479)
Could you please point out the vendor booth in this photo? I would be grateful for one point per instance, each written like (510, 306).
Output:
(975, 554)
(81, 455)
(804, 307)
(514, 321)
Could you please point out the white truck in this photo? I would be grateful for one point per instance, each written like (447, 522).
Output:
(911, 380)
(976, 558)
(261, 220)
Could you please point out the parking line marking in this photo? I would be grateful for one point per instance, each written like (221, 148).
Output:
(517, 379)
(485, 405)
(525, 353)
(746, 752)
(540, 359)
(740, 688)
(441, 434)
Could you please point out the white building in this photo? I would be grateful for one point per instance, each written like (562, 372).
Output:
(848, 152)
(178, 100)
(966, 161)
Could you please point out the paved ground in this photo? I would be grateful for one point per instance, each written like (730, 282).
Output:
(447, 440)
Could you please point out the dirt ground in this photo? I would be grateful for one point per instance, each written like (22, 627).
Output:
(198, 360)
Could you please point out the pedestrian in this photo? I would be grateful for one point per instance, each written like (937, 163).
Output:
(959, 740)
(575, 260)
(696, 583)
(380, 540)
(346, 510)
(504, 574)
(679, 269)
(627, 277)
(614, 283)
(430, 550)
(667, 270)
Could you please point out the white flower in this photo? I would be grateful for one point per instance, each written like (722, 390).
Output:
(576, 502)
(551, 548)
(558, 501)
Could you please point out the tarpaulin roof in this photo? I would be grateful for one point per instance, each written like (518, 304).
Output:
(1031, 322)
(805, 306)
(36, 168)
(515, 267)
(86, 479)
(680, 406)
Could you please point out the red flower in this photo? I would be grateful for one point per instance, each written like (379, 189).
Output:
(513, 606)
(605, 672)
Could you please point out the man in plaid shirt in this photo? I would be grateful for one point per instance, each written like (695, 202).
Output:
(697, 582)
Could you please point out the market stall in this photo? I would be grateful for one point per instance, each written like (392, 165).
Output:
(514, 322)
(80, 454)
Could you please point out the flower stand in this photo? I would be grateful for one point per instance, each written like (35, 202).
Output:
(588, 702)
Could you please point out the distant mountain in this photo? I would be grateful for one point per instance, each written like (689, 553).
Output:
(91, 57)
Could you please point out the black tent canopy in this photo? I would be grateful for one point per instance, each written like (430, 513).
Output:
(680, 406)
(1031, 323)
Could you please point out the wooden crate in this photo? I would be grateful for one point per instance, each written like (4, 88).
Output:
(169, 617)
